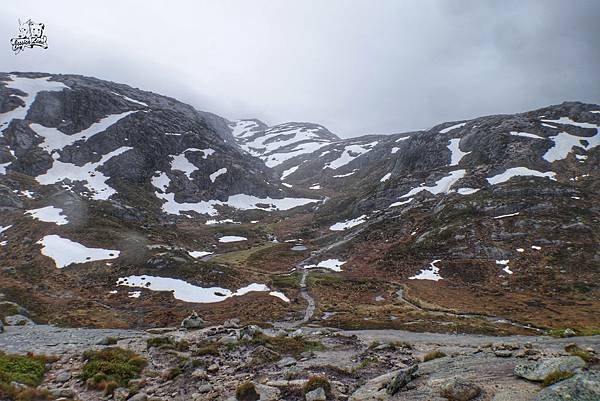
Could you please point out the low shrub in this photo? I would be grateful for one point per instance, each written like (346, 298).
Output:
(111, 364)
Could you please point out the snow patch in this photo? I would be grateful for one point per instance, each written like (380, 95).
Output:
(199, 254)
(232, 238)
(65, 252)
(526, 135)
(456, 154)
(49, 214)
(187, 292)
(350, 153)
(431, 273)
(441, 186)
(331, 264)
(344, 225)
(217, 173)
(519, 172)
(452, 127)
(385, 177)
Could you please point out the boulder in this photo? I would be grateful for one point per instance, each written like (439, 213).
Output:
(537, 371)
(193, 322)
(458, 389)
(581, 387)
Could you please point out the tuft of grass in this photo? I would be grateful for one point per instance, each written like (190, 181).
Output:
(168, 343)
(364, 363)
(111, 364)
(556, 376)
(172, 373)
(17, 393)
(25, 369)
(314, 382)
(430, 356)
(246, 392)
(287, 345)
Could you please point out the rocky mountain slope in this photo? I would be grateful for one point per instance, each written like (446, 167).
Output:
(123, 208)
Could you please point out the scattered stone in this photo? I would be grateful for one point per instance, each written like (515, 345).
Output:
(231, 323)
(581, 387)
(569, 333)
(538, 371)
(317, 394)
(458, 389)
(402, 378)
(213, 368)
(193, 322)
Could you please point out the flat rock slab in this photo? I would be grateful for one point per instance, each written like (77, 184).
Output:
(537, 371)
(581, 387)
(57, 340)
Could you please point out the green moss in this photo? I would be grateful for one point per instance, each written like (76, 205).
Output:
(556, 376)
(112, 364)
(286, 281)
(26, 369)
(575, 350)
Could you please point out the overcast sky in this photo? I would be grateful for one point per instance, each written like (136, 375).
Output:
(356, 67)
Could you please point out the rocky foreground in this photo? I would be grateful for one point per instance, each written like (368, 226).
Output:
(229, 362)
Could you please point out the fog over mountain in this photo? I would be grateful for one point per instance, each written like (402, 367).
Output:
(393, 67)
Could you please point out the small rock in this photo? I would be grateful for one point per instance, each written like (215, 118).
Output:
(286, 362)
(403, 377)
(262, 354)
(139, 397)
(458, 389)
(249, 331)
(228, 340)
(538, 371)
(213, 368)
(503, 353)
(317, 394)
(231, 323)
(63, 377)
(205, 388)
(193, 322)
(569, 333)
(267, 393)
